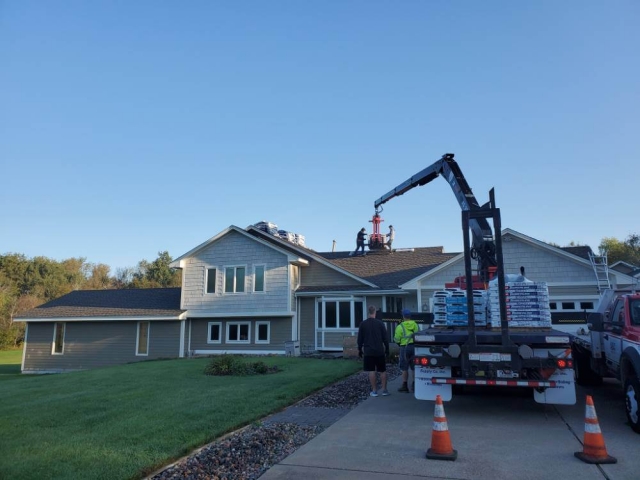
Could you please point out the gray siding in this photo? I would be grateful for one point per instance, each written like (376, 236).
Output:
(541, 265)
(280, 332)
(307, 315)
(235, 249)
(98, 344)
(317, 274)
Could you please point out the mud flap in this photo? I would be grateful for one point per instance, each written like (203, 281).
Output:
(563, 394)
(425, 390)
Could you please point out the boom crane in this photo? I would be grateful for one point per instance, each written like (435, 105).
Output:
(483, 247)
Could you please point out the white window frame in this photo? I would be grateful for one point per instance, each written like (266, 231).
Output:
(235, 279)
(576, 301)
(206, 280)
(138, 354)
(268, 324)
(229, 324)
(64, 334)
(324, 300)
(264, 278)
(219, 324)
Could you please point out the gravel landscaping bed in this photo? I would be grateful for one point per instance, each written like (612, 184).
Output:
(248, 453)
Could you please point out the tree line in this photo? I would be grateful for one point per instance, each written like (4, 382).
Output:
(26, 283)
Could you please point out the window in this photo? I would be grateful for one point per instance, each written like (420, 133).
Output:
(214, 334)
(337, 313)
(58, 338)
(552, 306)
(142, 343)
(568, 306)
(586, 305)
(234, 279)
(263, 332)
(211, 280)
(258, 280)
(238, 332)
(635, 312)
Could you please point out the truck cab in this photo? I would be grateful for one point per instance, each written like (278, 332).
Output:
(611, 348)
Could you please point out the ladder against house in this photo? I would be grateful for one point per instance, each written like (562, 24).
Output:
(601, 269)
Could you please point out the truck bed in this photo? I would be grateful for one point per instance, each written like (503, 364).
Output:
(493, 336)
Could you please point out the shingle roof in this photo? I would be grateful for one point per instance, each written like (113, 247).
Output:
(149, 302)
(581, 251)
(389, 270)
(380, 267)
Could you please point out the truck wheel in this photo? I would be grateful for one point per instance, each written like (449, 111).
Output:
(632, 402)
(582, 367)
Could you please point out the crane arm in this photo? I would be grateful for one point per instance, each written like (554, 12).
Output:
(483, 245)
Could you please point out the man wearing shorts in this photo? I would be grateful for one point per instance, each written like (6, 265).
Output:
(373, 346)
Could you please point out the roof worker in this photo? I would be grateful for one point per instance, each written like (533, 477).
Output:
(360, 241)
(390, 236)
(404, 337)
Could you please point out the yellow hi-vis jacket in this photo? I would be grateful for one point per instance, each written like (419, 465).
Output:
(404, 332)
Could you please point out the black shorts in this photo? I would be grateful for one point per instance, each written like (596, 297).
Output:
(377, 363)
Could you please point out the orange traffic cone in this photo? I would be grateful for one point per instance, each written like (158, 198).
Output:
(593, 450)
(441, 448)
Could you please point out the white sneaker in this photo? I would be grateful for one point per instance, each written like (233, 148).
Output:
(373, 394)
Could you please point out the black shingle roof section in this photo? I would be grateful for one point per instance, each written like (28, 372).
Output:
(150, 302)
(581, 251)
(389, 270)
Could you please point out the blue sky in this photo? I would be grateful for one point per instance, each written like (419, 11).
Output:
(127, 128)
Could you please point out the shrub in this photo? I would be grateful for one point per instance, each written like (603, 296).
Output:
(235, 365)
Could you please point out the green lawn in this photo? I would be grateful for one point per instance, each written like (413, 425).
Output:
(10, 361)
(124, 422)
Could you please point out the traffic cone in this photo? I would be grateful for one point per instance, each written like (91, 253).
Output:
(593, 449)
(441, 448)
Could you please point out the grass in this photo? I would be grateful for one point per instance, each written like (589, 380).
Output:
(125, 422)
(10, 361)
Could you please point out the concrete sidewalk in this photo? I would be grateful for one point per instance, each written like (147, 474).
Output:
(497, 438)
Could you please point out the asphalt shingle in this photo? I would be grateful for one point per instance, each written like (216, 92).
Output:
(105, 303)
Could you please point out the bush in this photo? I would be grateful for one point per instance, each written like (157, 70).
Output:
(235, 365)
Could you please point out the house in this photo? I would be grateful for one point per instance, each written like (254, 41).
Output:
(626, 268)
(248, 291)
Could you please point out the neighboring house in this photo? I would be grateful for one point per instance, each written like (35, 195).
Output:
(247, 291)
(626, 268)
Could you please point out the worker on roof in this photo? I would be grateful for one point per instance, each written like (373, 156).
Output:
(390, 236)
(360, 241)
(404, 337)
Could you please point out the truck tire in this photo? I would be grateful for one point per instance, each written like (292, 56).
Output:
(582, 367)
(632, 402)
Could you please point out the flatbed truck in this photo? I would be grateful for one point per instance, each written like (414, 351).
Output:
(539, 359)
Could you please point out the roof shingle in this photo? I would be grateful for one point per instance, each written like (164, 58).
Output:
(148, 302)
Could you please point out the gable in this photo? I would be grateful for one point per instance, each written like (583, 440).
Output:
(319, 275)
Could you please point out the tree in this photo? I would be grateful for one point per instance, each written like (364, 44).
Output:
(627, 251)
(157, 273)
(99, 278)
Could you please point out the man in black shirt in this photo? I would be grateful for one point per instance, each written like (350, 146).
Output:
(360, 241)
(373, 346)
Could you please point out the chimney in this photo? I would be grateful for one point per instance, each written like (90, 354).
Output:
(333, 249)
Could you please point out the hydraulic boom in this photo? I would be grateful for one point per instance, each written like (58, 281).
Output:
(483, 247)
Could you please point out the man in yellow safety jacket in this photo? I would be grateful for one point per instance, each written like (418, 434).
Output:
(404, 337)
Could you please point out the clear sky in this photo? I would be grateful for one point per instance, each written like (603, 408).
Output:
(131, 127)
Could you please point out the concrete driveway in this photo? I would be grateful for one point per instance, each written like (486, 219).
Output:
(499, 435)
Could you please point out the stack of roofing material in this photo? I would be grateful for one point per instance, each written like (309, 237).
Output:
(450, 307)
(268, 227)
(288, 236)
(527, 304)
(272, 229)
(299, 240)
